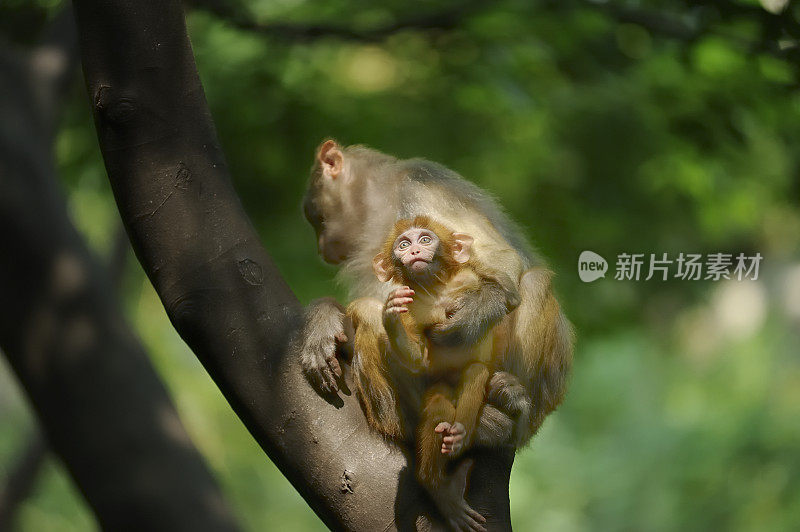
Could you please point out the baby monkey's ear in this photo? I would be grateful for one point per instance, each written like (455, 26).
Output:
(382, 267)
(462, 245)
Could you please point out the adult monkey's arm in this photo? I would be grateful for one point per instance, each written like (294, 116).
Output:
(219, 286)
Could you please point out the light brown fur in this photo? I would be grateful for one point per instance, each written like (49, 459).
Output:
(459, 375)
(356, 195)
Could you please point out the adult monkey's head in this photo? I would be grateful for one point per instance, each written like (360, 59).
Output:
(335, 202)
(421, 252)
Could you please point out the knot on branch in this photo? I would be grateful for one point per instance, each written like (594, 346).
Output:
(113, 108)
(251, 272)
(188, 312)
(346, 482)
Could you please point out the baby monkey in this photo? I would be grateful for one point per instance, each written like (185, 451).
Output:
(431, 263)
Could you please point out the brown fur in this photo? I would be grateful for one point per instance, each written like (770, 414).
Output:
(359, 205)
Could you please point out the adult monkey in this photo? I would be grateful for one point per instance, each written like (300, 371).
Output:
(354, 197)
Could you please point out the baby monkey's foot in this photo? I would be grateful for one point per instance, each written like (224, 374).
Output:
(452, 437)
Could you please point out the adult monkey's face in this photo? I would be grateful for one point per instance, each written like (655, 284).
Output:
(329, 204)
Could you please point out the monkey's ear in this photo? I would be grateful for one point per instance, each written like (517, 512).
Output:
(462, 245)
(382, 267)
(331, 159)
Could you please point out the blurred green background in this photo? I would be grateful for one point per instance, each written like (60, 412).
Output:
(597, 131)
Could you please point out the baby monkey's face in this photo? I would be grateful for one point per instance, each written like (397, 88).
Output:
(416, 249)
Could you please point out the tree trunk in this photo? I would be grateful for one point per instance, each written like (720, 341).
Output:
(98, 399)
(22, 475)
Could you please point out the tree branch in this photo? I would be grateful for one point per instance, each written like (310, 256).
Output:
(687, 27)
(702, 20)
(238, 16)
(221, 289)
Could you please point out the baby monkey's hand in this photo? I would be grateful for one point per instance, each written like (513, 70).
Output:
(398, 301)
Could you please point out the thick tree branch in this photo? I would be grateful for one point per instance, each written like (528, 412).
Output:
(104, 410)
(221, 290)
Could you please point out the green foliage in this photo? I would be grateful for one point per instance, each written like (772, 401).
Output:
(595, 134)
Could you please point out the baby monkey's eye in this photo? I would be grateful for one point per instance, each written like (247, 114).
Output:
(404, 244)
(425, 240)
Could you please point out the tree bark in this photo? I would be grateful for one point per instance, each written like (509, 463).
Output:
(219, 286)
(98, 399)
